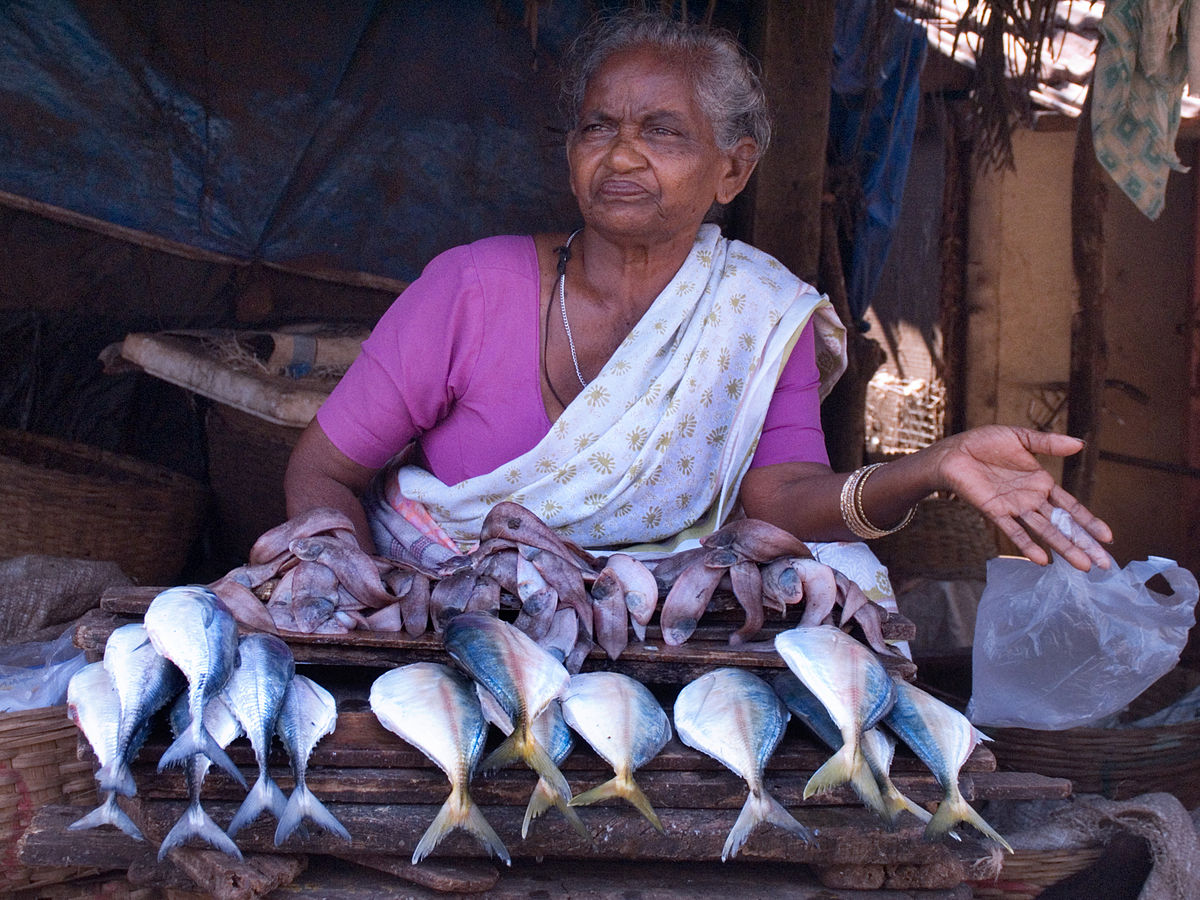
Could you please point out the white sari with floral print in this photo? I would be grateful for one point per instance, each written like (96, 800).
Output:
(654, 449)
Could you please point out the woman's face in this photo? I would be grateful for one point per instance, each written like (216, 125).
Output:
(644, 162)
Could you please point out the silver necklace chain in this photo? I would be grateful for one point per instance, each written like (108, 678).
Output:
(562, 306)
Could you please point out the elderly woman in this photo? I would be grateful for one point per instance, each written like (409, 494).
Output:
(641, 380)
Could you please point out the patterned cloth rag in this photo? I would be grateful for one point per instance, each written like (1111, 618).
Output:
(1137, 89)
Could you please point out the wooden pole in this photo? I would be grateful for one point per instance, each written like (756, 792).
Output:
(1085, 386)
(781, 212)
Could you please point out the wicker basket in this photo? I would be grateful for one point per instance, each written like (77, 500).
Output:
(38, 766)
(947, 540)
(1118, 763)
(1027, 873)
(62, 498)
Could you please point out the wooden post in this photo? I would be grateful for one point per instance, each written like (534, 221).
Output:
(1085, 391)
(781, 211)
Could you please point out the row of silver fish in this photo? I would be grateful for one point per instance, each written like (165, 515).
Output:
(187, 651)
(506, 679)
(859, 694)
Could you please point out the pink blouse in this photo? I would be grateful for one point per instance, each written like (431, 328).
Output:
(454, 364)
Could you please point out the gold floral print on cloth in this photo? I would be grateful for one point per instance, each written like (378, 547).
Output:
(660, 440)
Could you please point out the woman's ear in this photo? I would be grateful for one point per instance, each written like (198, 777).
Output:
(741, 162)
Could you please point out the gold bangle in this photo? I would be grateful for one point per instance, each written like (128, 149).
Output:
(853, 513)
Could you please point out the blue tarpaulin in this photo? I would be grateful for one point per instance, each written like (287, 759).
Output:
(358, 136)
(873, 117)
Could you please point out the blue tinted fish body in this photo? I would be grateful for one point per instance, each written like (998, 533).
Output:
(145, 683)
(435, 708)
(943, 739)
(623, 722)
(855, 689)
(522, 676)
(736, 718)
(222, 725)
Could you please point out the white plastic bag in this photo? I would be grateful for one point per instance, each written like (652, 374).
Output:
(1059, 648)
(35, 674)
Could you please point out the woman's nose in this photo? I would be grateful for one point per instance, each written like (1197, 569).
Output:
(625, 152)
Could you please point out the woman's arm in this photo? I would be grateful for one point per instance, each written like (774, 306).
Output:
(318, 474)
(993, 468)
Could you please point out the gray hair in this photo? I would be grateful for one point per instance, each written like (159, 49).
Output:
(725, 77)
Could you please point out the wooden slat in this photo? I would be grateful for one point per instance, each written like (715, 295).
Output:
(841, 834)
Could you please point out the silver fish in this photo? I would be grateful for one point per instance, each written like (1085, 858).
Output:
(855, 689)
(736, 718)
(522, 676)
(625, 725)
(191, 627)
(94, 705)
(254, 693)
(145, 682)
(309, 712)
(942, 738)
(224, 727)
(435, 708)
(552, 732)
(877, 748)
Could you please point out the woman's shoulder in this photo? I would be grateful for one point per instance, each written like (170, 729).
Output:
(510, 254)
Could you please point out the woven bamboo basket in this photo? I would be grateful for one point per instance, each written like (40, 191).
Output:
(62, 498)
(38, 766)
(947, 540)
(1118, 763)
(1027, 873)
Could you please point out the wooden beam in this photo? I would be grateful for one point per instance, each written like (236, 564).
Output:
(781, 212)
(1085, 392)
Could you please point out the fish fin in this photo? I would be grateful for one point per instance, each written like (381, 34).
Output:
(116, 776)
(108, 813)
(264, 796)
(459, 811)
(955, 809)
(627, 790)
(195, 822)
(303, 804)
(539, 760)
(541, 800)
(862, 780)
(758, 808)
(509, 751)
(196, 739)
(838, 769)
(895, 803)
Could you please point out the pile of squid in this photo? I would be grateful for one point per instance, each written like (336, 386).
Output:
(309, 575)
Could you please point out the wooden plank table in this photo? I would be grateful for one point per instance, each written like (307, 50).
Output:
(386, 793)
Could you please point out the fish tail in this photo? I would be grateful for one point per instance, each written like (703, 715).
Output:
(108, 813)
(539, 760)
(196, 739)
(838, 769)
(116, 776)
(264, 796)
(509, 751)
(459, 811)
(760, 807)
(541, 800)
(303, 804)
(626, 789)
(895, 803)
(862, 780)
(955, 809)
(195, 822)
